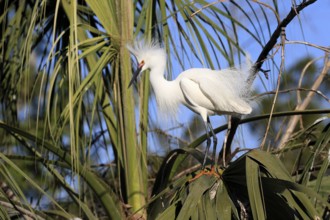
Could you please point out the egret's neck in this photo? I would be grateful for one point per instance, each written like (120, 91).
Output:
(157, 74)
(168, 93)
(160, 85)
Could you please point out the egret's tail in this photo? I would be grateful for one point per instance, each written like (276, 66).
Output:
(248, 69)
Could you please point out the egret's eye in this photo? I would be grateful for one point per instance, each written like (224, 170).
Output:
(141, 64)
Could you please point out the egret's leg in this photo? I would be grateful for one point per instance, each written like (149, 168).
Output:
(215, 140)
(225, 152)
(225, 142)
(208, 143)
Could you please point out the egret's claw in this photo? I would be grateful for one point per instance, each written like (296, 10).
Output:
(208, 172)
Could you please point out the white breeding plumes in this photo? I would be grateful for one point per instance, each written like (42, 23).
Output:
(204, 91)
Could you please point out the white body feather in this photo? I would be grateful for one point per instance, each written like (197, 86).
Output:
(204, 91)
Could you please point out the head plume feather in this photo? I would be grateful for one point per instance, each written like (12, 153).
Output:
(142, 48)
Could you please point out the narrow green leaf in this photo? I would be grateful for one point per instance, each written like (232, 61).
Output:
(254, 188)
(224, 205)
(324, 187)
(200, 210)
(196, 190)
(169, 213)
(321, 174)
(294, 192)
(271, 164)
(106, 12)
(208, 204)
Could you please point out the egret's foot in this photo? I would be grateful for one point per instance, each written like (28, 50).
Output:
(214, 171)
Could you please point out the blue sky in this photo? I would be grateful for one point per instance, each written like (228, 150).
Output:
(314, 28)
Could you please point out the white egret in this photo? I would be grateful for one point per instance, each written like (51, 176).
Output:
(204, 91)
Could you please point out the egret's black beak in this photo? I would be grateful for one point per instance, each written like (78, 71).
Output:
(136, 73)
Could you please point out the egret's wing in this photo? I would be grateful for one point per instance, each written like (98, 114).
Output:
(218, 91)
(194, 97)
(225, 90)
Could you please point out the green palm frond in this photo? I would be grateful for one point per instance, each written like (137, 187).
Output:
(255, 185)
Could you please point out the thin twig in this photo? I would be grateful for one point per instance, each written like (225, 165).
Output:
(171, 137)
(303, 74)
(325, 49)
(277, 87)
(27, 214)
(187, 171)
(271, 8)
(318, 92)
(206, 6)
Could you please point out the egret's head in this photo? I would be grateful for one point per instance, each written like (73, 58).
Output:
(148, 56)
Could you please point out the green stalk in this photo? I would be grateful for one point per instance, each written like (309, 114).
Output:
(133, 177)
(144, 95)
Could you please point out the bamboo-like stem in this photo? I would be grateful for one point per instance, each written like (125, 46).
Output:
(133, 172)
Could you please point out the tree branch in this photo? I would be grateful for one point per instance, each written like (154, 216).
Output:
(273, 39)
